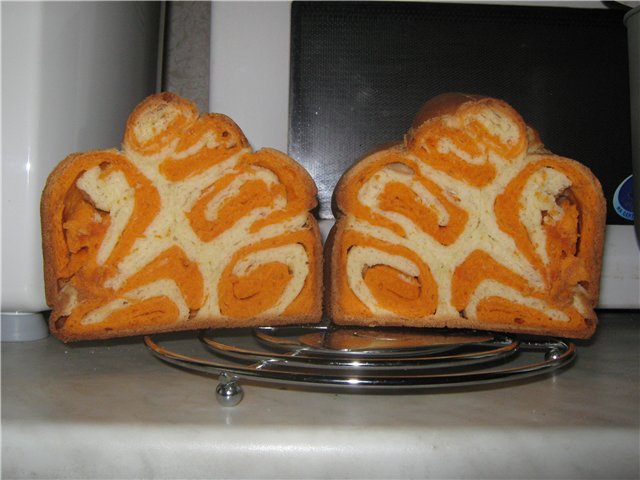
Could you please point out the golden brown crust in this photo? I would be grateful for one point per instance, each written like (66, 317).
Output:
(598, 214)
(355, 169)
(445, 104)
(331, 270)
(309, 186)
(571, 285)
(315, 313)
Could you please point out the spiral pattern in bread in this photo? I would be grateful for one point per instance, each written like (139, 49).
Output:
(185, 228)
(470, 223)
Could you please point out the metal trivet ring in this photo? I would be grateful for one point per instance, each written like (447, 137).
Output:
(361, 358)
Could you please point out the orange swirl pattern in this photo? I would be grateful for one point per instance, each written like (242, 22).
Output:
(468, 223)
(185, 228)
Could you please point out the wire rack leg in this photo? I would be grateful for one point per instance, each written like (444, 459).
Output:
(229, 392)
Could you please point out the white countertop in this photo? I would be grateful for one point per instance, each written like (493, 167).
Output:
(113, 410)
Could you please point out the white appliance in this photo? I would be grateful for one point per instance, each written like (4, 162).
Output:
(71, 73)
(262, 110)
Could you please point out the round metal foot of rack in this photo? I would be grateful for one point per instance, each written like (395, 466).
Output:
(229, 393)
(362, 358)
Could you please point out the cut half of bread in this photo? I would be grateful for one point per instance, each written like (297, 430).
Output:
(184, 228)
(468, 223)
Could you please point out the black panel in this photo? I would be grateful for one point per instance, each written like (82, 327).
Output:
(360, 71)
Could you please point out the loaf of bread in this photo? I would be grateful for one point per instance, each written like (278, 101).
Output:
(468, 223)
(185, 228)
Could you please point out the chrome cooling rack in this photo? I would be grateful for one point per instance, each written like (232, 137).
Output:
(360, 358)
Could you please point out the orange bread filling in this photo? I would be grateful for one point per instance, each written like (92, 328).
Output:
(349, 197)
(479, 266)
(289, 186)
(82, 233)
(80, 226)
(470, 137)
(149, 312)
(250, 195)
(175, 265)
(255, 292)
(568, 262)
(229, 140)
(398, 198)
(171, 264)
(248, 295)
(498, 310)
(392, 289)
(137, 315)
(424, 143)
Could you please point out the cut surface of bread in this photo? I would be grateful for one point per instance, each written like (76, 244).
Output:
(185, 228)
(468, 223)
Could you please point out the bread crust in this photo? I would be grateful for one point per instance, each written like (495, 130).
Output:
(165, 128)
(434, 111)
(46, 218)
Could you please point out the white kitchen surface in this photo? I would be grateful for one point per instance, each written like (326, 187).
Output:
(113, 410)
